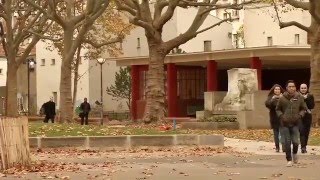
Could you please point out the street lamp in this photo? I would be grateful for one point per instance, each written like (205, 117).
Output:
(31, 65)
(101, 61)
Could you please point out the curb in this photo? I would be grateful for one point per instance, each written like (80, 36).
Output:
(126, 142)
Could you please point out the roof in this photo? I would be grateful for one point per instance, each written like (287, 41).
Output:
(270, 55)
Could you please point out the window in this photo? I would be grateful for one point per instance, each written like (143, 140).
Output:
(235, 40)
(296, 39)
(53, 61)
(270, 42)
(225, 15)
(191, 83)
(138, 43)
(43, 62)
(207, 46)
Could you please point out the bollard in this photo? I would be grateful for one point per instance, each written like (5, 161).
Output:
(174, 124)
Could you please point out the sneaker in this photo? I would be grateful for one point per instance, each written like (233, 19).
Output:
(303, 150)
(277, 149)
(295, 158)
(289, 164)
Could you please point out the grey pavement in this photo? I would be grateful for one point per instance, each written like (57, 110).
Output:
(256, 160)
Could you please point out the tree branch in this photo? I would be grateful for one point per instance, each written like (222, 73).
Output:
(214, 25)
(124, 7)
(41, 36)
(299, 4)
(99, 45)
(287, 24)
(294, 23)
(159, 21)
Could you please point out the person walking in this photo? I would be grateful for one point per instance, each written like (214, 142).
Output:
(305, 125)
(273, 97)
(291, 109)
(85, 110)
(49, 109)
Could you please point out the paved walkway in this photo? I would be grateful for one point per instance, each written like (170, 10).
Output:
(181, 163)
(261, 147)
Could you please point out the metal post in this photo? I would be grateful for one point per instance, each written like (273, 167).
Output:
(101, 94)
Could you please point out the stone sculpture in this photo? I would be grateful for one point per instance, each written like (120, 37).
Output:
(242, 82)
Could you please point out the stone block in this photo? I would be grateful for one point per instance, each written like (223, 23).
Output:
(186, 140)
(33, 142)
(211, 140)
(151, 140)
(108, 141)
(55, 142)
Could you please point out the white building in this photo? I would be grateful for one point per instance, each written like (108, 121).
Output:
(135, 44)
(254, 28)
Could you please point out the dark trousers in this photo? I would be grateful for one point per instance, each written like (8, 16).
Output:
(47, 117)
(290, 136)
(304, 128)
(84, 118)
(276, 132)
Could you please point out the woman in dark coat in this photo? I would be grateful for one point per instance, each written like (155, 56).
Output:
(271, 103)
(305, 125)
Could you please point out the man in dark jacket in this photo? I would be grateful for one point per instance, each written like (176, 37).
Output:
(85, 110)
(291, 109)
(305, 125)
(49, 111)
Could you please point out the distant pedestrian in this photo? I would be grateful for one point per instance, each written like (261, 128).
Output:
(49, 109)
(305, 125)
(272, 100)
(85, 110)
(291, 109)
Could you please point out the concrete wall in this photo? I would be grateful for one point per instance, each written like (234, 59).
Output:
(260, 24)
(218, 35)
(3, 73)
(48, 78)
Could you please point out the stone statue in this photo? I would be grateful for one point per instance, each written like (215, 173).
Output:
(242, 82)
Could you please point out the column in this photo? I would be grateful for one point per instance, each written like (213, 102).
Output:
(212, 76)
(135, 90)
(257, 64)
(172, 89)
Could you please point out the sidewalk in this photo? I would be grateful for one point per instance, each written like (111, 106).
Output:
(261, 147)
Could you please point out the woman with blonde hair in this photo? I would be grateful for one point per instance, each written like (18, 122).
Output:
(273, 97)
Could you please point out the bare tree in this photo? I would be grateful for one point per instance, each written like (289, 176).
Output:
(20, 26)
(76, 18)
(313, 6)
(153, 21)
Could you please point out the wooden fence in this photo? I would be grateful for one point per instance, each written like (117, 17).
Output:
(14, 142)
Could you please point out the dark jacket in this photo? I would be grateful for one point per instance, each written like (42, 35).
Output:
(291, 109)
(85, 107)
(309, 100)
(271, 104)
(49, 108)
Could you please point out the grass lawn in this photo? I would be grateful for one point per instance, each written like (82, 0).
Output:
(49, 130)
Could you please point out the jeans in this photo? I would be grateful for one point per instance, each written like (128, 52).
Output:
(276, 132)
(305, 126)
(84, 118)
(290, 136)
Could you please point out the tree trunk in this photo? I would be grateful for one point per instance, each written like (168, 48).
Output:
(155, 94)
(66, 111)
(315, 70)
(11, 102)
(75, 78)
